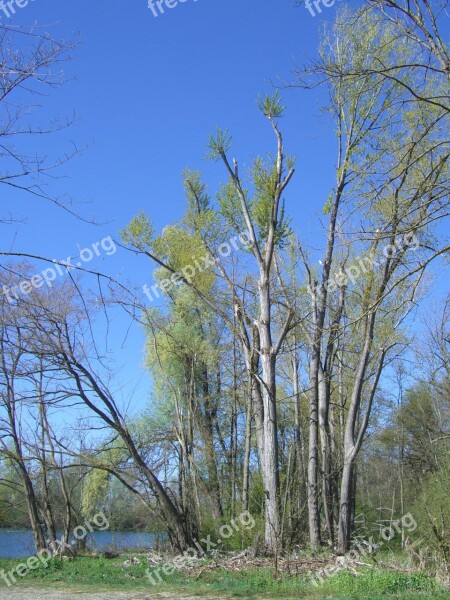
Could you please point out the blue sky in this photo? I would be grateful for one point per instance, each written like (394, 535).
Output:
(147, 92)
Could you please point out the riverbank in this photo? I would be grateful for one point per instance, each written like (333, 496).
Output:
(98, 578)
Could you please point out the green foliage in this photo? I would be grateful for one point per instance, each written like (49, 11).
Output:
(431, 510)
(138, 233)
(195, 189)
(179, 249)
(199, 216)
(184, 343)
(271, 107)
(327, 207)
(240, 540)
(95, 490)
(265, 179)
(416, 441)
(420, 418)
(230, 205)
(13, 512)
(219, 144)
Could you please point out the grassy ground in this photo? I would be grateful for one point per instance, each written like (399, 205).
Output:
(99, 574)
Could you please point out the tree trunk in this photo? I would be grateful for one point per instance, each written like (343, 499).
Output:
(179, 534)
(325, 444)
(248, 442)
(313, 462)
(345, 510)
(298, 436)
(205, 419)
(270, 471)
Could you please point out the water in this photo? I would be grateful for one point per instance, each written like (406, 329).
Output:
(15, 543)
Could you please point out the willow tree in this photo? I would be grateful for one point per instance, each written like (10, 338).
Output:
(391, 187)
(183, 356)
(246, 302)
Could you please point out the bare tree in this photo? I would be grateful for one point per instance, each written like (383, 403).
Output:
(29, 66)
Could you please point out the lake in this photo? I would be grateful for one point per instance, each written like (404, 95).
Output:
(16, 543)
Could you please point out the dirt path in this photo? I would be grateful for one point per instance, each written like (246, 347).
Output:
(38, 594)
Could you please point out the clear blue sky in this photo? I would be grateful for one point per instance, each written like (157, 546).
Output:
(147, 92)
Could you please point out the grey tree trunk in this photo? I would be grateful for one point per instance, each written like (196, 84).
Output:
(345, 507)
(313, 458)
(270, 472)
(354, 435)
(325, 444)
(298, 436)
(248, 442)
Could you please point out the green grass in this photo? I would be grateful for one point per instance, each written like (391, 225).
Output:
(368, 584)
(90, 571)
(103, 574)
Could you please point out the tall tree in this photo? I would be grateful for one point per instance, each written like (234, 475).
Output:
(392, 176)
(261, 217)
